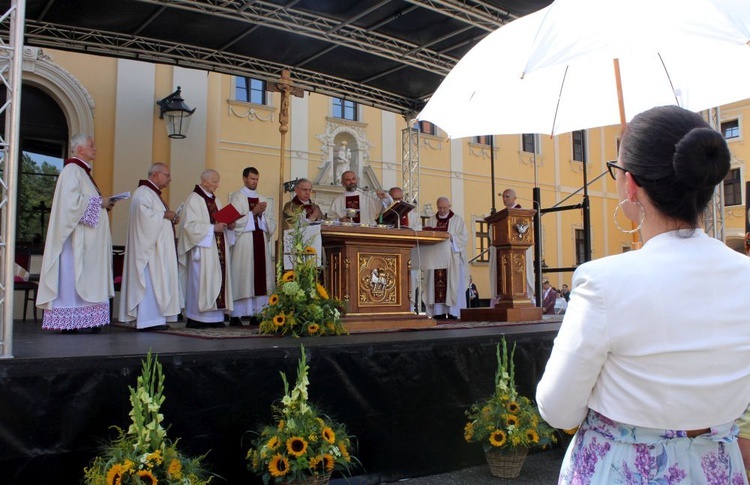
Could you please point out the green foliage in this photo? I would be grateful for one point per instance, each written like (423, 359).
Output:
(301, 306)
(507, 420)
(34, 190)
(144, 454)
(302, 443)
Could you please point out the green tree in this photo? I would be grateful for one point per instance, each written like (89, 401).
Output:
(35, 191)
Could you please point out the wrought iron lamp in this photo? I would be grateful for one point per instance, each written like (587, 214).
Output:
(176, 113)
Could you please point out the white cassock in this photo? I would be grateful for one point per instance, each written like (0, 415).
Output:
(150, 292)
(199, 263)
(457, 274)
(370, 206)
(75, 282)
(414, 222)
(248, 300)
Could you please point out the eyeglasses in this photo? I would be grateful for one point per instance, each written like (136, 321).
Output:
(611, 166)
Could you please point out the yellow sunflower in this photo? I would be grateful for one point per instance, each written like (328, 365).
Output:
(315, 461)
(114, 474)
(273, 299)
(128, 465)
(498, 438)
(309, 250)
(512, 407)
(288, 276)
(532, 436)
(296, 446)
(329, 435)
(146, 477)
(344, 451)
(512, 420)
(329, 462)
(278, 466)
(174, 470)
(274, 443)
(279, 320)
(468, 432)
(313, 328)
(322, 291)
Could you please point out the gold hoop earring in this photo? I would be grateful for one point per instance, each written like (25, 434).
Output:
(640, 223)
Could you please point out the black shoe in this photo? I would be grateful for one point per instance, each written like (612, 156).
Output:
(69, 331)
(216, 324)
(155, 328)
(195, 324)
(235, 322)
(440, 317)
(254, 321)
(451, 317)
(95, 330)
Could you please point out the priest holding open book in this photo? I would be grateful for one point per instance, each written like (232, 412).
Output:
(206, 233)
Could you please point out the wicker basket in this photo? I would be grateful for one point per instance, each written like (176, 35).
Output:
(313, 480)
(506, 463)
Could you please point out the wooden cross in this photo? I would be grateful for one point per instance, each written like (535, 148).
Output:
(287, 89)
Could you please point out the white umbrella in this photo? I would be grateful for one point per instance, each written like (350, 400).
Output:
(514, 82)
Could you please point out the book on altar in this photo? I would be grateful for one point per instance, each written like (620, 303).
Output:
(393, 213)
(227, 214)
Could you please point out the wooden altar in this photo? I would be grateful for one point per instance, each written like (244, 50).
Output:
(368, 269)
(512, 234)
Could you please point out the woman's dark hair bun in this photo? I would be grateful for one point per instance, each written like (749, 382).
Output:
(701, 158)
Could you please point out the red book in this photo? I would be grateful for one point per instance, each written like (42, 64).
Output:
(227, 214)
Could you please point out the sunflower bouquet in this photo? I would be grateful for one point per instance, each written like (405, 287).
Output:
(507, 421)
(301, 306)
(303, 445)
(143, 454)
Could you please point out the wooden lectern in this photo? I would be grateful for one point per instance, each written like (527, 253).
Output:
(368, 269)
(512, 234)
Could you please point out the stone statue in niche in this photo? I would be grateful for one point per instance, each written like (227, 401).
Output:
(343, 160)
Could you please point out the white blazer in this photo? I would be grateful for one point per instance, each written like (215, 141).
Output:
(658, 337)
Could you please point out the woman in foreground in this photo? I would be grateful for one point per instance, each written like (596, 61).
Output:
(652, 360)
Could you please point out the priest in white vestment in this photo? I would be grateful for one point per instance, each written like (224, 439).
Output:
(413, 222)
(203, 256)
(367, 205)
(252, 268)
(75, 282)
(150, 293)
(444, 295)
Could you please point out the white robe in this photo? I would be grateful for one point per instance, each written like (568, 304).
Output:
(246, 300)
(75, 284)
(199, 266)
(150, 287)
(458, 278)
(370, 206)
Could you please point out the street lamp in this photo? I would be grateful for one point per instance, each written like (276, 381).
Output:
(176, 113)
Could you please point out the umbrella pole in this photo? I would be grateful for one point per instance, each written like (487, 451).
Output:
(635, 243)
(492, 172)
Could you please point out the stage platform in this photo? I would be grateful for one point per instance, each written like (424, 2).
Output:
(402, 394)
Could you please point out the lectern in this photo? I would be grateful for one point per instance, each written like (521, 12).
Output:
(512, 233)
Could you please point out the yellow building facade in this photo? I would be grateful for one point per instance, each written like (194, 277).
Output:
(115, 99)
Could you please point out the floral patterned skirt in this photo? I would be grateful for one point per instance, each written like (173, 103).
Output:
(607, 452)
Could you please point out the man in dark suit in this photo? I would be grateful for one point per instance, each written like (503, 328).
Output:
(549, 295)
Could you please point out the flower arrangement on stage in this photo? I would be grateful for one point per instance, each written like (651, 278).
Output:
(507, 420)
(302, 445)
(144, 455)
(301, 306)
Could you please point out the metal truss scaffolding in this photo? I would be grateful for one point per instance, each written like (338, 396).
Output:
(11, 57)
(714, 216)
(410, 165)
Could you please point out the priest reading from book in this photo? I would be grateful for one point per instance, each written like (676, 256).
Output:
(150, 294)
(365, 205)
(203, 253)
(75, 282)
(302, 194)
(252, 269)
(444, 293)
(409, 220)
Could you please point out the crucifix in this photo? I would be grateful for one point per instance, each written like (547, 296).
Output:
(286, 88)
